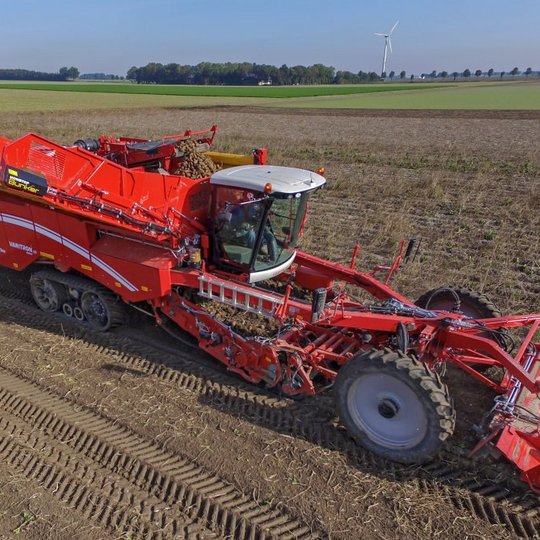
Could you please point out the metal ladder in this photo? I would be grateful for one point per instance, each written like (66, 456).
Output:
(244, 298)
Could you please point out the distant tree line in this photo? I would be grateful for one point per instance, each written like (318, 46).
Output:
(490, 73)
(100, 76)
(64, 73)
(28, 75)
(244, 73)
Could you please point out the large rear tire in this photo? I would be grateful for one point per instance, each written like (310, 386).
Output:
(471, 303)
(394, 406)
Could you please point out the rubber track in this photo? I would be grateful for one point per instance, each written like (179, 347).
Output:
(174, 482)
(114, 305)
(490, 500)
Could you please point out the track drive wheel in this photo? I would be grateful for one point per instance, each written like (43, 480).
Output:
(48, 294)
(101, 309)
(394, 406)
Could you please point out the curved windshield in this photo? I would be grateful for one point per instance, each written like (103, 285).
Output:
(280, 232)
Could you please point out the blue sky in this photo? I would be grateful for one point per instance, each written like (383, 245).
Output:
(113, 35)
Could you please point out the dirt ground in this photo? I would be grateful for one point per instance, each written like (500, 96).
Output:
(132, 435)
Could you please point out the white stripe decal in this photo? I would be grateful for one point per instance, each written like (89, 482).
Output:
(83, 252)
(76, 248)
(47, 232)
(106, 268)
(18, 222)
(27, 224)
(18, 218)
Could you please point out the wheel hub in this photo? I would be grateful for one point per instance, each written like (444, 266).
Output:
(388, 408)
(388, 411)
(45, 294)
(94, 309)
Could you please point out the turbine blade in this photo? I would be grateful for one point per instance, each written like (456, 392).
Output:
(376, 34)
(393, 27)
(390, 43)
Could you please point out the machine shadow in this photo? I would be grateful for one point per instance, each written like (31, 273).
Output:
(312, 420)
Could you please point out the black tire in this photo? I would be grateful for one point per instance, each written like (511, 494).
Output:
(394, 406)
(472, 304)
(101, 308)
(48, 294)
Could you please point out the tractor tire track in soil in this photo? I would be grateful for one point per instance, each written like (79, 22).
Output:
(173, 495)
(488, 498)
(98, 495)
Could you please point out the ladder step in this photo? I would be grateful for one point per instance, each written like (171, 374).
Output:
(227, 293)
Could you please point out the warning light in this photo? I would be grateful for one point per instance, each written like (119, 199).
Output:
(268, 187)
(320, 170)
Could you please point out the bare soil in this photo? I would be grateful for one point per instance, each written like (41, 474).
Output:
(91, 425)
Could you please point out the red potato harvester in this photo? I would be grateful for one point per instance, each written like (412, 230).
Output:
(107, 223)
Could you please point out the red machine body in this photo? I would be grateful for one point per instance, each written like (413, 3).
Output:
(108, 220)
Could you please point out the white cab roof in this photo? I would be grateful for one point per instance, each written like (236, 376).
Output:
(287, 180)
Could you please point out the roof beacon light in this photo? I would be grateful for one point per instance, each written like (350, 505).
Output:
(268, 187)
(320, 171)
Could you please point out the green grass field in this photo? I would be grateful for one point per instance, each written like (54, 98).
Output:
(472, 96)
(43, 100)
(216, 91)
(519, 95)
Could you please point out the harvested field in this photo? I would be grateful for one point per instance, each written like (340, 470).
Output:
(131, 434)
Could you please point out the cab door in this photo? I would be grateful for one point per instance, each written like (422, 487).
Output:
(237, 218)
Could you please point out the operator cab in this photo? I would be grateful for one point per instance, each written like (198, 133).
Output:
(257, 213)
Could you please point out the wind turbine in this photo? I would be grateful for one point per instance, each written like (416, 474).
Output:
(387, 44)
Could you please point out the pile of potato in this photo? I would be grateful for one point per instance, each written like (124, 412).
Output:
(194, 164)
(242, 322)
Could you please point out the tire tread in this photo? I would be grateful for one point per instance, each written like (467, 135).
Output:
(426, 381)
